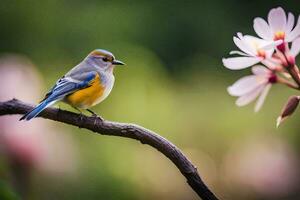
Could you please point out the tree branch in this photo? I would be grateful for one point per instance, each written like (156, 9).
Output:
(136, 132)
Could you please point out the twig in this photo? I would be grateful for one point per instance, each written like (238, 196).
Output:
(292, 70)
(287, 83)
(294, 74)
(136, 132)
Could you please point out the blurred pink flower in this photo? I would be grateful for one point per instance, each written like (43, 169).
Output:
(253, 51)
(250, 87)
(18, 79)
(37, 144)
(265, 164)
(279, 26)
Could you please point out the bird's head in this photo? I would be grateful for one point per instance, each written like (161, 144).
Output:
(103, 59)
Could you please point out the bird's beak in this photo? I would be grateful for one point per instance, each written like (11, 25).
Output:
(117, 62)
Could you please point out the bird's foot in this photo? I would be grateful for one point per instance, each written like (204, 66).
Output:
(95, 115)
(80, 120)
(98, 117)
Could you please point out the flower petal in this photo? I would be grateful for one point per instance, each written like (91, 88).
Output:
(238, 53)
(260, 70)
(247, 98)
(277, 19)
(271, 63)
(262, 29)
(295, 32)
(290, 23)
(271, 45)
(245, 85)
(236, 63)
(295, 49)
(258, 44)
(242, 45)
(262, 97)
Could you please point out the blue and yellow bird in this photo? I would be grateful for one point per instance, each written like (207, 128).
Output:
(84, 86)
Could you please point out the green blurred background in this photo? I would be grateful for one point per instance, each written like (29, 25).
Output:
(174, 83)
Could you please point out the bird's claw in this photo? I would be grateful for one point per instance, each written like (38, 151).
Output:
(95, 115)
(98, 117)
(80, 120)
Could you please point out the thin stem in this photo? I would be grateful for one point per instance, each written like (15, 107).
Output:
(293, 71)
(294, 75)
(287, 83)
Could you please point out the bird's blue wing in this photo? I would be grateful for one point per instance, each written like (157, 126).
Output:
(62, 88)
(68, 85)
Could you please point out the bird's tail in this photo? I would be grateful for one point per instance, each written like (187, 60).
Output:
(37, 110)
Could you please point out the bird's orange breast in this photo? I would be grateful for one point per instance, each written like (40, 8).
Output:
(86, 97)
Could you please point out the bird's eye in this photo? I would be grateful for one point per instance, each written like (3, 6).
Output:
(105, 59)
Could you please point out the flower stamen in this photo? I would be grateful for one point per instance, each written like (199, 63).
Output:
(279, 35)
(261, 53)
(273, 79)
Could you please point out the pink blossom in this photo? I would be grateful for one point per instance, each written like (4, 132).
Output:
(278, 27)
(265, 164)
(32, 145)
(250, 87)
(295, 49)
(253, 51)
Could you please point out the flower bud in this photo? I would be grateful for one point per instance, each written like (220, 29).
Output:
(282, 47)
(291, 60)
(288, 109)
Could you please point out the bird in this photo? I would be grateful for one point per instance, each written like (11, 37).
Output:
(84, 86)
